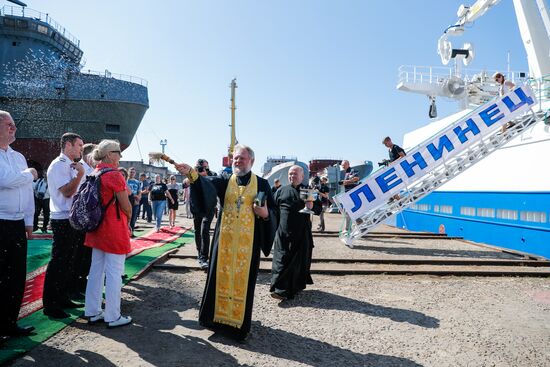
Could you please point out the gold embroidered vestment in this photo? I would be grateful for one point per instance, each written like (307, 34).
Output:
(235, 252)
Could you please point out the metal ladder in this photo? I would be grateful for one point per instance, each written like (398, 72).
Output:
(440, 175)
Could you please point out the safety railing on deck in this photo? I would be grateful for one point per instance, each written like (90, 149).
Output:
(18, 11)
(124, 77)
(541, 89)
(439, 74)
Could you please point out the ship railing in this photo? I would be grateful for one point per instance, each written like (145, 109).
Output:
(36, 15)
(326, 158)
(439, 75)
(282, 158)
(541, 88)
(123, 77)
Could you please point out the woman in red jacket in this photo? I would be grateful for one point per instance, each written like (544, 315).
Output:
(110, 242)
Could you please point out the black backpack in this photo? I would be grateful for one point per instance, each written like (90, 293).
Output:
(86, 211)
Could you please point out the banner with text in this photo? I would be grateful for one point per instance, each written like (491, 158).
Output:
(424, 158)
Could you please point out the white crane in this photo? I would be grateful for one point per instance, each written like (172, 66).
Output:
(478, 88)
(534, 26)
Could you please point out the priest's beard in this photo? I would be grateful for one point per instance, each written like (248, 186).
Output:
(241, 171)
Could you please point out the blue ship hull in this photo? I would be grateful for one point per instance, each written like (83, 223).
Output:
(514, 220)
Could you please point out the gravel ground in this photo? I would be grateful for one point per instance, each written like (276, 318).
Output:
(339, 321)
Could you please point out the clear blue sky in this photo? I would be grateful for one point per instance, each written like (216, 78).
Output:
(315, 78)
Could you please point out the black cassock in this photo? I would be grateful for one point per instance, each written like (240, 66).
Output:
(293, 244)
(204, 191)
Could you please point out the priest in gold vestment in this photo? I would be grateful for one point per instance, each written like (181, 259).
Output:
(245, 227)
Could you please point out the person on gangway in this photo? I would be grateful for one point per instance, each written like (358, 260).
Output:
(395, 152)
(504, 86)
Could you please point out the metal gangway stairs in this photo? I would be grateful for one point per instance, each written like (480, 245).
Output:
(368, 205)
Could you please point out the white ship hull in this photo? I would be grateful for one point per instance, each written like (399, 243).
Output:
(503, 200)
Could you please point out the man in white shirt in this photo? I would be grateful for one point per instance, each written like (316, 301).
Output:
(16, 222)
(64, 177)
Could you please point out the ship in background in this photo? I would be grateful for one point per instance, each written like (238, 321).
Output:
(503, 200)
(44, 87)
(277, 167)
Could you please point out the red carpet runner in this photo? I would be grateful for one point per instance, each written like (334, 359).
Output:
(32, 298)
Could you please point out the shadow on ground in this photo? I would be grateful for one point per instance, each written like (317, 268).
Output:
(435, 252)
(323, 300)
(288, 346)
(51, 357)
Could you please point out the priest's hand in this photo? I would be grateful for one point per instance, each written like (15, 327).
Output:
(261, 211)
(183, 168)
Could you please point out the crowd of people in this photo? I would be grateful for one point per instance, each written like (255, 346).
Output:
(252, 218)
(143, 194)
(83, 265)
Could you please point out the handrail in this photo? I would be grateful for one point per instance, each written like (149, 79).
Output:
(281, 157)
(123, 77)
(322, 158)
(36, 15)
(541, 88)
(439, 74)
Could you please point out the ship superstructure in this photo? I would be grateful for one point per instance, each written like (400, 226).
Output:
(44, 86)
(273, 161)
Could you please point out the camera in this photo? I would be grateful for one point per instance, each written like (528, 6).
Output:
(384, 162)
(201, 169)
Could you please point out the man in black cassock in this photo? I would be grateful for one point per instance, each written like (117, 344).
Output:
(293, 244)
(246, 226)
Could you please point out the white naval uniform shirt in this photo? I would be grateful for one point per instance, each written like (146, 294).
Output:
(59, 174)
(16, 195)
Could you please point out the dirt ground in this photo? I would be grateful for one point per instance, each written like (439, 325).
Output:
(351, 320)
(339, 321)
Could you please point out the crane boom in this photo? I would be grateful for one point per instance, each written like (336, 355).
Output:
(534, 26)
(469, 14)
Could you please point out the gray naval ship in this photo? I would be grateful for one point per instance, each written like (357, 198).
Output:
(44, 86)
